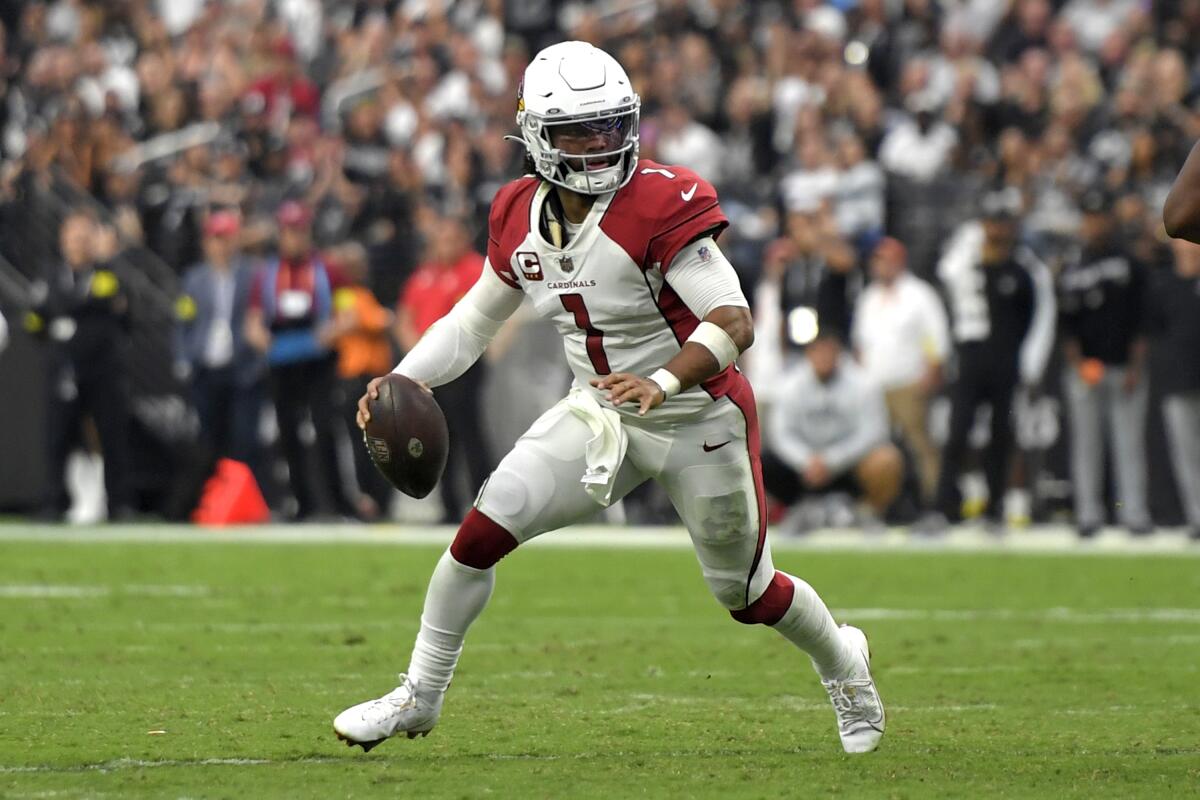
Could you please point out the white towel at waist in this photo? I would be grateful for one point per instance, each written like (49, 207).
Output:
(605, 451)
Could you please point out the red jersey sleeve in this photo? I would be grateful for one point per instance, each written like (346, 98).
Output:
(699, 216)
(508, 224)
(661, 210)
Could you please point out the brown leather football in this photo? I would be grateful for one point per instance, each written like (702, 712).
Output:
(406, 436)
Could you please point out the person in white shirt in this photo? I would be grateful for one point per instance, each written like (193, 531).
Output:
(901, 337)
(829, 431)
(919, 147)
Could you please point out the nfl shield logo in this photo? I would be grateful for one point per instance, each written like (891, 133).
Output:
(704, 253)
(566, 264)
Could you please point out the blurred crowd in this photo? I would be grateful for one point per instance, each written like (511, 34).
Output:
(316, 175)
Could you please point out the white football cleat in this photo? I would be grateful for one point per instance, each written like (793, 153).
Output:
(856, 700)
(405, 709)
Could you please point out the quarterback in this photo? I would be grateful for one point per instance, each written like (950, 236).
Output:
(621, 254)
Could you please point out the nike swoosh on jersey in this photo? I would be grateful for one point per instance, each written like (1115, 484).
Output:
(688, 194)
(709, 449)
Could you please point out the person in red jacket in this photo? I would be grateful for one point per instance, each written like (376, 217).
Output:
(450, 269)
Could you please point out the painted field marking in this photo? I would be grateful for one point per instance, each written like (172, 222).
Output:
(25, 591)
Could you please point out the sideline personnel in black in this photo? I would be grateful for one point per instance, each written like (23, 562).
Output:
(81, 312)
(1101, 298)
(1001, 300)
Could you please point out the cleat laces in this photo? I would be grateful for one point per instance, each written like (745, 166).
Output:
(855, 703)
(399, 699)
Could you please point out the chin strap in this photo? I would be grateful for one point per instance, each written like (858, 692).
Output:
(552, 212)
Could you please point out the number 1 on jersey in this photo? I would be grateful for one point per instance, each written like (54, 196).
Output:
(595, 337)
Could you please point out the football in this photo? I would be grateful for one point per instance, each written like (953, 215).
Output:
(407, 436)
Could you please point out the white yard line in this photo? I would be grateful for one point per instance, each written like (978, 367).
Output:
(1071, 615)
(1047, 539)
(119, 764)
(60, 591)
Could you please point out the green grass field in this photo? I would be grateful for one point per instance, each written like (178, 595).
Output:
(214, 670)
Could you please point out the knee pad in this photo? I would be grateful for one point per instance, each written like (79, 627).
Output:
(770, 607)
(518, 492)
(480, 542)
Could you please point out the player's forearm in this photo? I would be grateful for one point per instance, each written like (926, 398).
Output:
(724, 334)
(1181, 212)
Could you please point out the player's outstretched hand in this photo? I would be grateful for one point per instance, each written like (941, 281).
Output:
(364, 411)
(625, 386)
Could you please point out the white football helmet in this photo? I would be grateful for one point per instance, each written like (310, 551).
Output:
(577, 95)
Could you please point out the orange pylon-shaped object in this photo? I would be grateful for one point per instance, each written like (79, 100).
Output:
(231, 497)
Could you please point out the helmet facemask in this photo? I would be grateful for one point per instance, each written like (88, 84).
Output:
(589, 154)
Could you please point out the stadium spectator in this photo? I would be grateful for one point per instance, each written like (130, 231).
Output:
(860, 193)
(684, 140)
(1001, 301)
(1175, 318)
(817, 268)
(1101, 301)
(902, 340)
(920, 146)
(80, 311)
(359, 332)
(828, 431)
(224, 372)
(451, 267)
(290, 303)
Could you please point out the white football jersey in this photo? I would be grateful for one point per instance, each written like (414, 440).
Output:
(605, 290)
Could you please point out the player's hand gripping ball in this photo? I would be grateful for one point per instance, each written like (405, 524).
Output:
(405, 433)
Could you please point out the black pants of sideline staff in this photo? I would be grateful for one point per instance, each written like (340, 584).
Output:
(308, 386)
(980, 381)
(100, 394)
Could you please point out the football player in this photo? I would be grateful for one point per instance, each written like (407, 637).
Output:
(621, 255)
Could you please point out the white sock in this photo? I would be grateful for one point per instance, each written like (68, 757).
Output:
(809, 625)
(456, 596)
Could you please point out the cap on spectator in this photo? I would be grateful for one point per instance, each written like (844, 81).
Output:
(1095, 201)
(293, 215)
(222, 223)
(892, 248)
(1001, 204)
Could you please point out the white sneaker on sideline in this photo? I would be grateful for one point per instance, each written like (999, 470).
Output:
(405, 709)
(855, 699)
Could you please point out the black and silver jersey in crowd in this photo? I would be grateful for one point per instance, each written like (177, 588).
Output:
(1101, 300)
(1003, 313)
